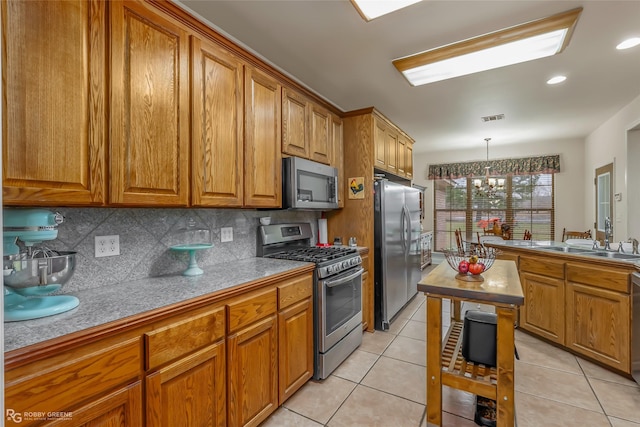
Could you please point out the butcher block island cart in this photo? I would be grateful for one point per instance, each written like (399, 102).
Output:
(445, 364)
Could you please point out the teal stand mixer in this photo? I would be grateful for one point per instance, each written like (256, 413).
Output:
(31, 271)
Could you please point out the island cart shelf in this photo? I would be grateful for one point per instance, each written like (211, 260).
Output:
(445, 364)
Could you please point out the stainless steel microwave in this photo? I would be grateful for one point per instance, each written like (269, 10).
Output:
(309, 185)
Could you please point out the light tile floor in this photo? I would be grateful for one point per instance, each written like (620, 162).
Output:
(383, 383)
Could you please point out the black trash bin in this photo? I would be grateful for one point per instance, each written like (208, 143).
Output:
(479, 337)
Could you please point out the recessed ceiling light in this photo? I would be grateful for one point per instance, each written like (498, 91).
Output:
(520, 43)
(629, 43)
(556, 79)
(371, 9)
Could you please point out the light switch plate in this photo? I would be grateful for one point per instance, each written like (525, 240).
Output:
(107, 246)
(226, 234)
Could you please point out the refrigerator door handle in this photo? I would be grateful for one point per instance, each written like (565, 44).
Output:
(406, 230)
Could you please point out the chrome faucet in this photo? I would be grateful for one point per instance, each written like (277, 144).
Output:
(634, 245)
(608, 233)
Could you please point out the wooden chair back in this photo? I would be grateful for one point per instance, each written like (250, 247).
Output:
(566, 234)
(527, 235)
(459, 242)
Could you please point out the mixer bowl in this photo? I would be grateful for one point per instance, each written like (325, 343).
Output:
(29, 276)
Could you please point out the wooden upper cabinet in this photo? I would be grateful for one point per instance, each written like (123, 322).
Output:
(408, 163)
(306, 128)
(217, 126)
(294, 124)
(391, 148)
(54, 104)
(262, 133)
(149, 107)
(402, 155)
(379, 141)
(319, 134)
(337, 155)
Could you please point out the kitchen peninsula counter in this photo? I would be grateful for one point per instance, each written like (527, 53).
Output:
(577, 298)
(115, 308)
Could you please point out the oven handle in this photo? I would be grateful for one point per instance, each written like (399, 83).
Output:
(336, 282)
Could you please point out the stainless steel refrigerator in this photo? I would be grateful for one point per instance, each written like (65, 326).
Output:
(397, 249)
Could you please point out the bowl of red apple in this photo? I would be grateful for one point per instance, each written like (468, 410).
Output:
(470, 265)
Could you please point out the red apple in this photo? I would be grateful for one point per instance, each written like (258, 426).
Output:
(476, 268)
(463, 267)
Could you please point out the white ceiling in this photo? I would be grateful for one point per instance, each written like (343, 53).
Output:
(329, 48)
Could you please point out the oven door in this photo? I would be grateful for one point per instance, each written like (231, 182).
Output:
(339, 307)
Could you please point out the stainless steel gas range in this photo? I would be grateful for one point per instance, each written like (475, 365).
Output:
(337, 293)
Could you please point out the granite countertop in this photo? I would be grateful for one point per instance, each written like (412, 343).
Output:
(106, 304)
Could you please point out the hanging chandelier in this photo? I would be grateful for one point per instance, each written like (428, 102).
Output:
(489, 186)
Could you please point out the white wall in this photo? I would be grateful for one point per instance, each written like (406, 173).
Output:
(632, 183)
(568, 201)
(608, 144)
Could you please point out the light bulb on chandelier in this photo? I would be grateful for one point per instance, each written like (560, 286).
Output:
(490, 185)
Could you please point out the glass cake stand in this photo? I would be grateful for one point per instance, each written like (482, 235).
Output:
(192, 248)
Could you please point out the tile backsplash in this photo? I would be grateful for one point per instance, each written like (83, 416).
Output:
(145, 236)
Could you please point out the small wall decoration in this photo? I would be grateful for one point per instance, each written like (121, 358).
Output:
(356, 187)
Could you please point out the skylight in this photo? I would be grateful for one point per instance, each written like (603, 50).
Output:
(371, 9)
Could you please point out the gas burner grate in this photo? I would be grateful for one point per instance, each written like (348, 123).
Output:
(314, 254)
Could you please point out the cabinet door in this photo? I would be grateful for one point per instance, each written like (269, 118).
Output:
(120, 408)
(262, 150)
(218, 120)
(408, 163)
(295, 336)
(337, 154)
(54, 103)
(543, 309)
(253, 373)
(598, 324)
(189, 392)
(379, 144)
(150, 108)
(320, 134)
(402, 156)
(294, 124)
(391, 147)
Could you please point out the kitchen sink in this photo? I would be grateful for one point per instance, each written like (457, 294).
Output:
(615, 255)
(567, 249)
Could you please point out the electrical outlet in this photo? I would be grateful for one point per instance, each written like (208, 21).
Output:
(107, 246)
(226, 234)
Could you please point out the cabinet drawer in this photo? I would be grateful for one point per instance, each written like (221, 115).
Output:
(294, 290)
(182, 337)
(542, 266)
(246, 310)
(71, 377)
(597, 276)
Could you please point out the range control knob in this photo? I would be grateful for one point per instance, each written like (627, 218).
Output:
(345, 264)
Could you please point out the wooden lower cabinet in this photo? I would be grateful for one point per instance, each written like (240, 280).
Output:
(81, 382)
(295, 335)
(189, 392)
(543, 310)
(229, 362)
(120, 408)
(598, 324)
(295, 338)
(253, 373)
